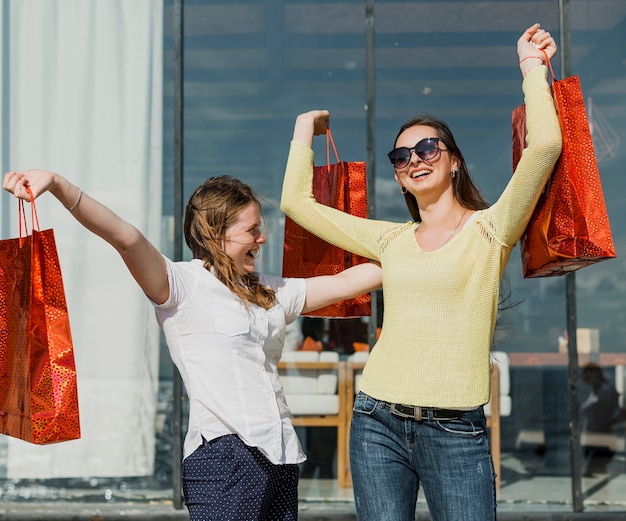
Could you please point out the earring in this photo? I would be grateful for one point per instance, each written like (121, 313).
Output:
(454, 173)
(403, 189)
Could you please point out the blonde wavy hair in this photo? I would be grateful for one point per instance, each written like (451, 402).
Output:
(212, 208)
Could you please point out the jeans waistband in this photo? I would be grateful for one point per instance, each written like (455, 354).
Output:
(418, 413)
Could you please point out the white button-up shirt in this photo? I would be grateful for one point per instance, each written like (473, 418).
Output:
(227, 356)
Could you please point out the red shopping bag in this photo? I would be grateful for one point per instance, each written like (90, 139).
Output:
(341, 185)
(38, 393)
(569, 228)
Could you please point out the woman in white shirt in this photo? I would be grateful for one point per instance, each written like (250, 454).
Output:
(225, 326)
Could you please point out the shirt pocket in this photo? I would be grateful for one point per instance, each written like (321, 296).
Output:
(231, 321)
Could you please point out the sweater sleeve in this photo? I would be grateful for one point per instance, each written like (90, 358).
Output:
(354, 234)
(514, 208)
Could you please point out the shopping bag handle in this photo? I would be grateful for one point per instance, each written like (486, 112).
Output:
(21, 216)
(330, 141)
(549, 64)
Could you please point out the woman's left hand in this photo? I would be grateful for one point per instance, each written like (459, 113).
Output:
(530, 45)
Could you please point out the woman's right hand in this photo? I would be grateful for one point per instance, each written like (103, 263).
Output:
(39, 181)
(143, 260)
(309, 124)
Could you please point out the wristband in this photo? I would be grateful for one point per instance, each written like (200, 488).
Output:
(80, 194)
(527, 57)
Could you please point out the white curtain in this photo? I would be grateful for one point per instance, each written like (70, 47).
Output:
(84, 83)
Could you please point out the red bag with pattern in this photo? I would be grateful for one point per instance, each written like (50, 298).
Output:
(569, 228)
(341, 185)
(38, 392)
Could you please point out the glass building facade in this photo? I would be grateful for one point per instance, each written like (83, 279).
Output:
(250, 67)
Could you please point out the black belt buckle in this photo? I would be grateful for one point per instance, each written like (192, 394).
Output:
(407, 411)
(415, 412)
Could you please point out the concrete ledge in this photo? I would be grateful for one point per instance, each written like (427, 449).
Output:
(502, 516)
(87, 513)
(120, 512)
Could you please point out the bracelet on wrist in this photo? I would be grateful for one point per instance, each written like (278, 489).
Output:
(528, 57)
(73, 207)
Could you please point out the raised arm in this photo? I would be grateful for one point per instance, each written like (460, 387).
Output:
(351, 233)
(327, 289)
(515, 206)
(144, 261)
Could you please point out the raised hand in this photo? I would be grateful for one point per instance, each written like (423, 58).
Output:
(530, 45)
(39, 181)
(309, 124)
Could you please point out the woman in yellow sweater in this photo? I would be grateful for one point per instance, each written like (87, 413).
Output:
(418, 418)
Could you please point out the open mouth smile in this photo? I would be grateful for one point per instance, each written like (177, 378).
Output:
(420, 173)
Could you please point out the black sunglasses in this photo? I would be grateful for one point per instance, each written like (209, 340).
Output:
(426, 149)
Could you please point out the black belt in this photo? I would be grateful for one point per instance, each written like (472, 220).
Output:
(424, 413)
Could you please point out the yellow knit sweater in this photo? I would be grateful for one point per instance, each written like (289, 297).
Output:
(440, 306)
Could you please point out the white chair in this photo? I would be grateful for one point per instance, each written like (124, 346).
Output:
(499, 405)
(314, 386)
(357, 361)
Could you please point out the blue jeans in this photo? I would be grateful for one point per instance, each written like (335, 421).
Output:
(391, 457)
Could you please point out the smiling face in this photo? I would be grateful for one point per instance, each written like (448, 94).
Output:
(421, 177)
(243, 239)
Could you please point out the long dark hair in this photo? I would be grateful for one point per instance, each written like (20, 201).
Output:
(465, 190)
(212, 208)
